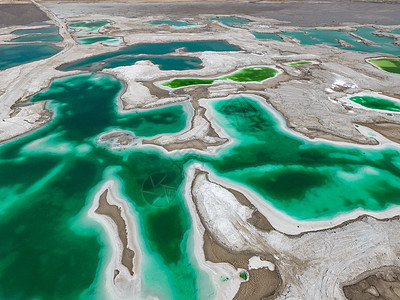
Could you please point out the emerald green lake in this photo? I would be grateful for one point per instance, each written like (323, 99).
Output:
(244, 75)
(172, 23)
(12, 55)
(50, 250)
(129, 55)
(377, 103)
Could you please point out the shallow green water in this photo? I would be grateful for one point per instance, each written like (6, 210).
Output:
(172, 23)
(91, 26)
(377, 103)
(16, 54)
(330, 37)
(244, 75)
(391, 65)
(306, 180)
(231, 21)
(41, 30)
(50, 251)
(38, 38)
(97, 39)
(129, 55)
(296, 63)
(48, 175)
(397, 31)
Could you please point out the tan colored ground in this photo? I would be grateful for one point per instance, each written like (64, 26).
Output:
(114, 212)
(382, 284)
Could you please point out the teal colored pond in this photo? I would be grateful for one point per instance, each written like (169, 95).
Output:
(397, 31)
(41, 30)
(231, 21)
(330, 37)
(38, 38)
(172, 23)
(12, 55)
(98, 39)
(129, 55)
(49, 176)
(89, 25)
(377, 102)
(266, 36)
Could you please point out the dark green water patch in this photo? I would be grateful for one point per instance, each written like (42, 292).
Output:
(16, 54)
(129, 55)
(377, 103)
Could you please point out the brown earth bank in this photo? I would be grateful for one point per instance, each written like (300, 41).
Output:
(388, 130)
(20, 14)
(383, 284)
(114, 212)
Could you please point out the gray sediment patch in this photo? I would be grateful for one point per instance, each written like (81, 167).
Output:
(21, 14)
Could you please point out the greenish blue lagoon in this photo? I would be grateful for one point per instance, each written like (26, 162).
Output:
(172, 23)
(331, 37)
(91, 26)
(244, 75)
(50, 250)
(377, 102)
(391, 65)
(396, 31)
(12, 55)
(41, 30)
(231, 21)
(131, 54)
(38, 38)
(266, 36)
(98, 39)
